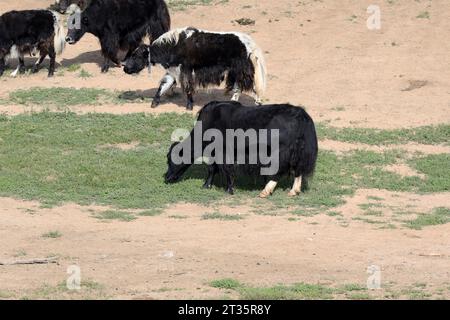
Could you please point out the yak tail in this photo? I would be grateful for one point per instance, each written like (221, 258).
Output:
(309, 154)
(259, 64)
(59, 40)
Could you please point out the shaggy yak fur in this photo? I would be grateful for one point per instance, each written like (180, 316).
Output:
(200, 59)
(120, 25)
(63, 5)
(297, 147)
(30, 32)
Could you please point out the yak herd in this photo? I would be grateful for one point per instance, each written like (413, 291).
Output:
(136, 34)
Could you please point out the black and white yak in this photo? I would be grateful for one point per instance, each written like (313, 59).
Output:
(31, 32)
(295, 149)
(200, 59)
(120, 25)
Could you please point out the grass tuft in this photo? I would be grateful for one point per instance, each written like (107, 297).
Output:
(115, 215)
(225, 284)
(223, 217)
(59, 96)
(439, 216)
(52, 235)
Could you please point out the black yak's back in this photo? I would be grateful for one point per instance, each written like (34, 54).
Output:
(298, 146)
(136, 16)
(29, 25)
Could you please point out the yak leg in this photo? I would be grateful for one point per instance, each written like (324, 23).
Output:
(190, 100)
(269, 189)
(111, 50)
(15, 72)
(106, 64)
(2, 65)
(296, 188)
(52, 55)
(21, 66)
(229, 174)
(166, 84)
(42, 56)
(189, 88)
(212, 171)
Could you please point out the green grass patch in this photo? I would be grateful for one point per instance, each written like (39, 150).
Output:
(221, 216)
(151, 212)
(66, 97)
(178, 217)
(359, 296)
(439, 134)
(84, 74)
(74, 67)
(115, 215)
(423, 15)
(352, 287)
(225, 284)
(439, 216)
(366, 220)
(368, 206)
(375, 198)
(300, 291)
(60, 157)
(60, 96)
(52, 235)
(295, 292)
(180, 5)
(90, 290)
(437, 171)
(6, 295)
(373, 213)
(334, 214)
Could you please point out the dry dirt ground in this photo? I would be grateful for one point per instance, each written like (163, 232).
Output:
(319, 54)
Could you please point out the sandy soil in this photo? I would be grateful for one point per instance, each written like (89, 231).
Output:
(163, 257)
(320, 55)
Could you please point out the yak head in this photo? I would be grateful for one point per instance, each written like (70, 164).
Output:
(175, 170)
(165, 55)
(138, 60)
(92, 20)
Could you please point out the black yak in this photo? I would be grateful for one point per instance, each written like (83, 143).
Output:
(31, 31)
(230, 134)
(120, 25)
(196, 58)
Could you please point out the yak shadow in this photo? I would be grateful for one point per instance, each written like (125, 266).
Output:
(201, 98)
(243, 180)
(85, 57)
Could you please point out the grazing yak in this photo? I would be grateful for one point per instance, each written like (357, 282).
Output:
(120, 25)
(195, 58)
(31, 31)
(286, 132)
